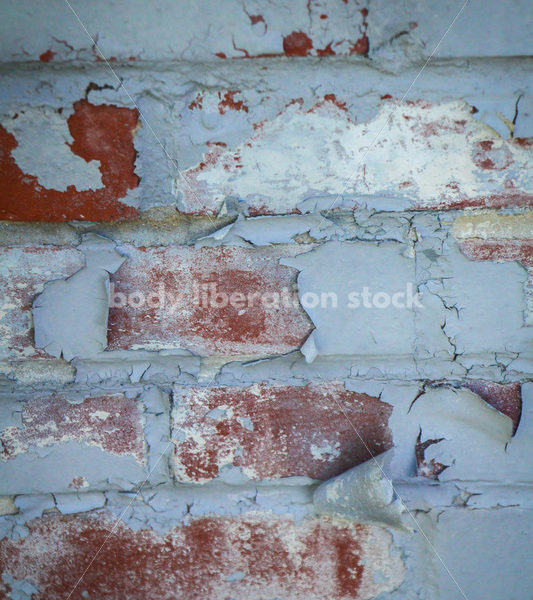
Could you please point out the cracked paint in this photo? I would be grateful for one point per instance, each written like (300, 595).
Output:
(248, 29)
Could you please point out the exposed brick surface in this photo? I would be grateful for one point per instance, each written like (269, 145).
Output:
(189, 319)
(258, 556)
(113, 423)
(276, 431)
(499, 250)
(431, 469)
(100, 133)
(507, 398)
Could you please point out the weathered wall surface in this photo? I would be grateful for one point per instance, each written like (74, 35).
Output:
(246, 248)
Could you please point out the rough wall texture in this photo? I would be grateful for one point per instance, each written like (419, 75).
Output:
(246, 248)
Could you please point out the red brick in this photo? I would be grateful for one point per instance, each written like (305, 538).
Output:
(195, 325)
(507, 398)
(296, 430)
(113, 423)
(297, 43)
(499, 250)
(275, 558)
(427, 468)
(23, 273)
(104, 133)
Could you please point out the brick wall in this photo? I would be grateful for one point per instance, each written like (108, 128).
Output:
(267, 298)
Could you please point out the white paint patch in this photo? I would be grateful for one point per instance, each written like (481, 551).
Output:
(325, 451)
(101, 415)
(43, 151)
(419, 154)
(492, 225)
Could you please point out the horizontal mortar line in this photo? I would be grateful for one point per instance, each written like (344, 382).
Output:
(179, 489)
(218, 65)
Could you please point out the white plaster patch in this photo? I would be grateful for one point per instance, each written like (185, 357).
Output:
(43, 151)
(492, 225)
(417, 154)
(325, 451)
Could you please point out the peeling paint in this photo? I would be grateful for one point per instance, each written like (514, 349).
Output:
(363, 494)
(70, 316)
(100, 135)
(467, 434)
(194, 444)
(506, 398)
(317, 153)
(23, 274)
(263, 231)
(58, 168)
